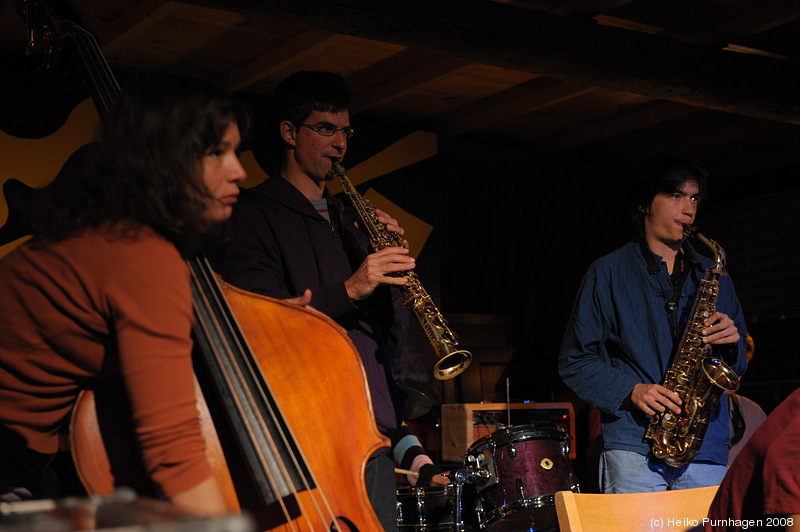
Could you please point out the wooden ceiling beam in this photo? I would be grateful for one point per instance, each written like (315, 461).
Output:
(747, 24)
(697, 141)
(641, 117)
(572, 50)
(587, 7)
(570, 7)
(630, 25)
(148, 13)
(513, 102)
(142, 16)
(405, 82)
(272, 60)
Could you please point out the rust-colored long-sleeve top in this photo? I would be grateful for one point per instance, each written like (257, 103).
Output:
(95, 305)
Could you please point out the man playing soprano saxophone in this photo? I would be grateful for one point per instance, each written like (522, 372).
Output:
(290, 234)
(628, 318)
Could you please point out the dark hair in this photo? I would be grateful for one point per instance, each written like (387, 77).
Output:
(146, 167)
(659, 174)
(296, 97)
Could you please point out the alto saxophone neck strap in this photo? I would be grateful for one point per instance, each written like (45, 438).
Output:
(653, 266)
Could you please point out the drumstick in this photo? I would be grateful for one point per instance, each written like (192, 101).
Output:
(405, 472)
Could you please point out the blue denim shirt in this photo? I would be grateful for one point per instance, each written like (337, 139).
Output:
(622, 332)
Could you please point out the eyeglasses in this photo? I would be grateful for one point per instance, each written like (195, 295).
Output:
(328, 130)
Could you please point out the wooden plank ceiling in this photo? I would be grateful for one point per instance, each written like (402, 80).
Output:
(712, 79)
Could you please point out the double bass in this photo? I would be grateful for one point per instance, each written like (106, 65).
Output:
(287, 441)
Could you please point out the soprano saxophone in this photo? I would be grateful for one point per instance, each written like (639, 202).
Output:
(452, 360)
(697, 377)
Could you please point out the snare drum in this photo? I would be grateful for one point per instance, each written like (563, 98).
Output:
(524, 466)
(426, 509)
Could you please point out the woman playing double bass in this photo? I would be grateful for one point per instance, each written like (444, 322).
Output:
(103, 287)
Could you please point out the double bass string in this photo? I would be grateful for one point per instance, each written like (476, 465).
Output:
(218, 330)
(214, 330)
(92, 61)
(235, 356)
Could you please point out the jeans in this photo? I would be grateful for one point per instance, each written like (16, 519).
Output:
(382, 489)
(629, 472)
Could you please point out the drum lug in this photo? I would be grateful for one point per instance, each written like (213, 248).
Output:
(512, 451)
(421, 507)
(575, 484)
(520, 488)
(480, 514)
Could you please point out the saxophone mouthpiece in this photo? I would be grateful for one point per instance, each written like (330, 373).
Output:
(688, 230)
(338, 169)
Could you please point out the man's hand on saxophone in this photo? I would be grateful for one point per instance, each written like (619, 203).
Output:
(720, 329)
(652, 398)
(378, 267)
(391, 224)
(375, 270)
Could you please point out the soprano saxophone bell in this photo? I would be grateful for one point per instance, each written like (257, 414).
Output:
(452, 359)
(452, 364)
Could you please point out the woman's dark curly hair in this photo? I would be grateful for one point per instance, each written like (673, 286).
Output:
(146, 167)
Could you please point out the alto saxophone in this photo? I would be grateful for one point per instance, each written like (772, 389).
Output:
(452, 360)
(697, 377)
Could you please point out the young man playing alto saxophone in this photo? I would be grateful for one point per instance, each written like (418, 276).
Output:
(629, 315)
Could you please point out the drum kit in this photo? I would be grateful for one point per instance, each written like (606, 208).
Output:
(507, 483)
